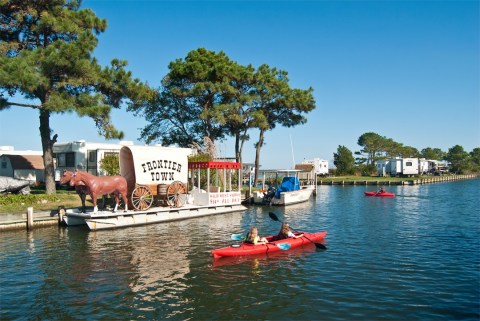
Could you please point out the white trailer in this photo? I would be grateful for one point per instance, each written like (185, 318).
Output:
(383, 167)
(409, 166)
(84, 156)
(320, 166)
(404, 166)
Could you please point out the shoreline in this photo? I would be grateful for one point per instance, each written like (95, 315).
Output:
(16, 221)
(402, 181)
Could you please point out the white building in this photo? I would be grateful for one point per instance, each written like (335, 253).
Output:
(320, 166)
(21, 164)
(84, 156)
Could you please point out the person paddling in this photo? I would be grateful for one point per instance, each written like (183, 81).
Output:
(253, 238)
(285, 232)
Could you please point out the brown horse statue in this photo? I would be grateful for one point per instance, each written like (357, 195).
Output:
(80, 188)
(102, 185)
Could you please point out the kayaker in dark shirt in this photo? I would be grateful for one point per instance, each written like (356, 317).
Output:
(253, 238)
(285, 232)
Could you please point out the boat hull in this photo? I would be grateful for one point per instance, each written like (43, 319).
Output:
(271, 247)
(286, 198)
(379, 194)
(110, 220)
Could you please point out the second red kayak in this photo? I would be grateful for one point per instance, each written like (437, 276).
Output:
(384, 194)
(251, 249)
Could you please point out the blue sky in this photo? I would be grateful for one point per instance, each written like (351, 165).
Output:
(407, 70)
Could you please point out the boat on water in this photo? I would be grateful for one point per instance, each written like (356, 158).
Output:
(290, 191)
(266, 258)
(163, 186)
(272, 246)
(379, 194)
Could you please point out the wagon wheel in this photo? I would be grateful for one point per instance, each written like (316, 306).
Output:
(174, 194)
(142, 198)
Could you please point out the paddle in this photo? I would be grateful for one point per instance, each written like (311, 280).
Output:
(237, 237)
(317, 245)
(281, 246)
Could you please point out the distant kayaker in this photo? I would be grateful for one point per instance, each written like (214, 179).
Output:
(285, 232)
(381, 190)
(253, 238)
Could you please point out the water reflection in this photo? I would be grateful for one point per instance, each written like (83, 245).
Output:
(414, 256)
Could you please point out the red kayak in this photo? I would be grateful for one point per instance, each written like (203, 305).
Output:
(384, 194)
(250, 249)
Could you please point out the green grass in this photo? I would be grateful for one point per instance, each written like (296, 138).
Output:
(15, 203)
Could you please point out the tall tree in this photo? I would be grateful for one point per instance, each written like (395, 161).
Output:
(344, 161)
(458, 158)
(276, 103)
(373, 145)
(408, 151)
(45, 58)
(239, 115)
(192, 101)
(475, 159)
(432, 153)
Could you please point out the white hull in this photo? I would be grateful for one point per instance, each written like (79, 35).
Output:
(74, 217)
(109, 220)
(286, 198)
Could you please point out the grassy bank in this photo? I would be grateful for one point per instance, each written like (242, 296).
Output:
(13, 203)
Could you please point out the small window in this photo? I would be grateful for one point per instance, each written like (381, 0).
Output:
(61, 160)
(92, 156)
(70, 159)
(408, 164)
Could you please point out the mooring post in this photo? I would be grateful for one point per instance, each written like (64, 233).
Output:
(61, 213)
(30, 218)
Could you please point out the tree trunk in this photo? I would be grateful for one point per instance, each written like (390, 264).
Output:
(47, 146)
(238, 157)
(257, 155)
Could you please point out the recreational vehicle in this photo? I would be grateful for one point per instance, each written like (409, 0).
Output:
(320, 166)
(403, 166)
(83, 156)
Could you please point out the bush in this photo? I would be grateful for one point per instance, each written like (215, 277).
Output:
(29, 199)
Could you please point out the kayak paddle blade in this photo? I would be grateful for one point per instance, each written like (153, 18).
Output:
(283, 246)
(320, 246)
(273, 216)
(236, 237)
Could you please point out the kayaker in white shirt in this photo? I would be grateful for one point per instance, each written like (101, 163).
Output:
(286, 233)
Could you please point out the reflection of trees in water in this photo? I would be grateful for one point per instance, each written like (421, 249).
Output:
(106, 273)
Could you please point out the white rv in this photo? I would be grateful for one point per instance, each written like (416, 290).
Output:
(83, 156)
(383, 167)
(404, 166)
(320, 166)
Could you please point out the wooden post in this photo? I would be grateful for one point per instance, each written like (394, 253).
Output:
(30, 218)
(61, 213)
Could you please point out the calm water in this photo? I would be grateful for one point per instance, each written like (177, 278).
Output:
(412, 257)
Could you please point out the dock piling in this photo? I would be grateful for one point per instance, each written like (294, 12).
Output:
(29, 218)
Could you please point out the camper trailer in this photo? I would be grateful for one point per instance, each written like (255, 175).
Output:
(383, 167)
(404, 166)
(320, 166)
(84, 156)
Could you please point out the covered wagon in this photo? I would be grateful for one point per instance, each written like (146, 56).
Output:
(155, 175)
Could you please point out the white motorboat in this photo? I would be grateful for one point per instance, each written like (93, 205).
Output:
(290, 191)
